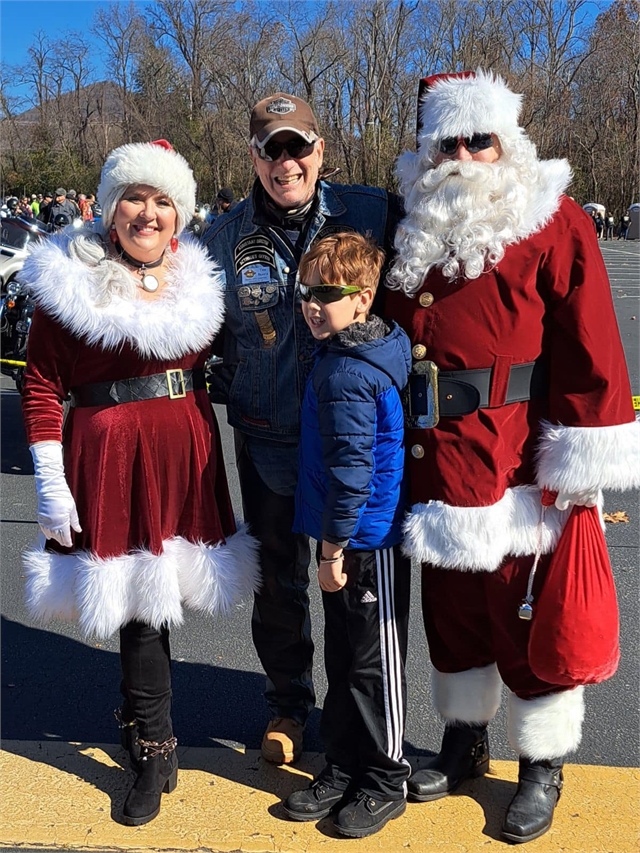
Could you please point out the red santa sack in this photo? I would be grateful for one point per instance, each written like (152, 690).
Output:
(575, 628)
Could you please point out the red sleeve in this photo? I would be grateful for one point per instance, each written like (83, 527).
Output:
(589, 381)
(51, 358)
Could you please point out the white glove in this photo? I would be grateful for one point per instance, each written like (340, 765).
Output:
(587, 497)
(57, 512)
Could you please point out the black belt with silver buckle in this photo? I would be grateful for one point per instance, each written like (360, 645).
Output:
(432, 394)
(175, 384)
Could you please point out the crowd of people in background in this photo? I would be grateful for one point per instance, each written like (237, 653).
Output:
(44, 207)
(605, 224)
(83, 206)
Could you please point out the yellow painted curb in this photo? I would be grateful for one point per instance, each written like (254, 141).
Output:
(68, 796)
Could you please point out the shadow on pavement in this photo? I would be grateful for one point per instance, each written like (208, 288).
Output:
(58, 690)
(15, 457)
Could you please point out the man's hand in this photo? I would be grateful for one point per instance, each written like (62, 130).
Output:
(566, 500)
(57, 513)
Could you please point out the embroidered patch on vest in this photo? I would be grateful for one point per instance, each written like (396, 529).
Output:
(255, 249)
(329, 230)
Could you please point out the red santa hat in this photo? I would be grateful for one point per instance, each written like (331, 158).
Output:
(154, 163)
(466, 103)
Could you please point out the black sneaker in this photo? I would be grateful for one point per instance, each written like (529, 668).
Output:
(363, 815)
(314, 802)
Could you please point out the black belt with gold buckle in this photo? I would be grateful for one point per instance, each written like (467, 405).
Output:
(432, 394)
(174, 383)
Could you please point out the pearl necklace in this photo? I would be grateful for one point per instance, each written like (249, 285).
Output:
(148, 282)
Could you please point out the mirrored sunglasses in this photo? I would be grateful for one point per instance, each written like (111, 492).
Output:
(326, 293)
(296, 148)
(473, 144)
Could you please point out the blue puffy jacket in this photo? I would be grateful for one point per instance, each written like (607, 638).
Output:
(350, 487)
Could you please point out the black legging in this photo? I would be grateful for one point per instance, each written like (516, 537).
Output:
(145, 658)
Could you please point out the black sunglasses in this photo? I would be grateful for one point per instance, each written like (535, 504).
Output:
(473, 144)
(296, 148)
(326, 293)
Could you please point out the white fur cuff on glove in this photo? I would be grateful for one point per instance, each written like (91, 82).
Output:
(57, 513)
(566, 500)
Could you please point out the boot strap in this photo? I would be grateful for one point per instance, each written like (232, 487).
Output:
(479, 752)
(542, 776)
(152, 748)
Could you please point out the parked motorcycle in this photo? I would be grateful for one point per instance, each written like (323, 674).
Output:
(16, 313)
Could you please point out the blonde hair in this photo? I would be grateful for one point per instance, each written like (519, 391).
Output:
(347, 257)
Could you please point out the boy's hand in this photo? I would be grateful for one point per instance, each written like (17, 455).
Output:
(330, 575)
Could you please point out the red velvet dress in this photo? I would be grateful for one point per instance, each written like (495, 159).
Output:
(148, 477)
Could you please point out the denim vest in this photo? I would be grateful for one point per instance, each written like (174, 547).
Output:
(268, 348)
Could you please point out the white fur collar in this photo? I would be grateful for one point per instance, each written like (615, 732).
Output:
(554, 176)
(185, 318)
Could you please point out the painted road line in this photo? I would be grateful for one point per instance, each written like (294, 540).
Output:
(66, 796)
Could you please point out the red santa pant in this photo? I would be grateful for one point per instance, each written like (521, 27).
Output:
(471, 620)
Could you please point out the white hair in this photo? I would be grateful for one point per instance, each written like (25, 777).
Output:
(461, 215)
(109, 277)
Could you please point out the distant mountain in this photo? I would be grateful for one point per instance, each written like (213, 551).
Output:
(97, 100)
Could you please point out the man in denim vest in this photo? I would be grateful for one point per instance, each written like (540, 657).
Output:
(267, 355)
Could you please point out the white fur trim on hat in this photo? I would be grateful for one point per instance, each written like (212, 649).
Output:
(472, 697)
(147, 163)
(105, 594)
(574, 459)
(462, 106)
(547, 726)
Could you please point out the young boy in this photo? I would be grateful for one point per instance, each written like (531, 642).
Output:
(350, 499)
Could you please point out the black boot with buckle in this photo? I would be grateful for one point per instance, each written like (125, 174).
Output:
(157, 773)
(530, 813)
(464, 755)
(128, 736)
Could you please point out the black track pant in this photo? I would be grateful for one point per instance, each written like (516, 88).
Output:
(365, 643)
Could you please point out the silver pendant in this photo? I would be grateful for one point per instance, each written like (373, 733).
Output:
(150, 283)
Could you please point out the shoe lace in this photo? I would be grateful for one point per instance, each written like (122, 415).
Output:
(362, 797)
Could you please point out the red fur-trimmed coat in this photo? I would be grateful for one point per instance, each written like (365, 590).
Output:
(148, 477)
(475, 492)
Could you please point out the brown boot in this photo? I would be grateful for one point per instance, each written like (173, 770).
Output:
(282, 741)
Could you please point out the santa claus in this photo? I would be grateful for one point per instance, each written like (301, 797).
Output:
(519, 384)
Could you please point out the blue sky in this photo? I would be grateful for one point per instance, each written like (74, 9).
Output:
(20, 20)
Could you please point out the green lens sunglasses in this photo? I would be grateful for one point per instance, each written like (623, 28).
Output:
(326, 293)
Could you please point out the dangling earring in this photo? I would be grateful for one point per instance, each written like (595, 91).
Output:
(174, 244)
(113, 234)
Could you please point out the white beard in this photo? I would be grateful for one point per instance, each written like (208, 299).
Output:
(461, 217)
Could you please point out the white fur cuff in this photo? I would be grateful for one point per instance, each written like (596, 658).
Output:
(574, 459)
(478, 539)
(105, 594)
(472, 696)
(546, 727)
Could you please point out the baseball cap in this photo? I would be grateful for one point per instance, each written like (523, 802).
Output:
(61, 191)
(282, 112)
(225, 194)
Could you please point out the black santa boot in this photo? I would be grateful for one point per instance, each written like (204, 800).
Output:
(156, 773)
(464, 755)
(530, 813)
